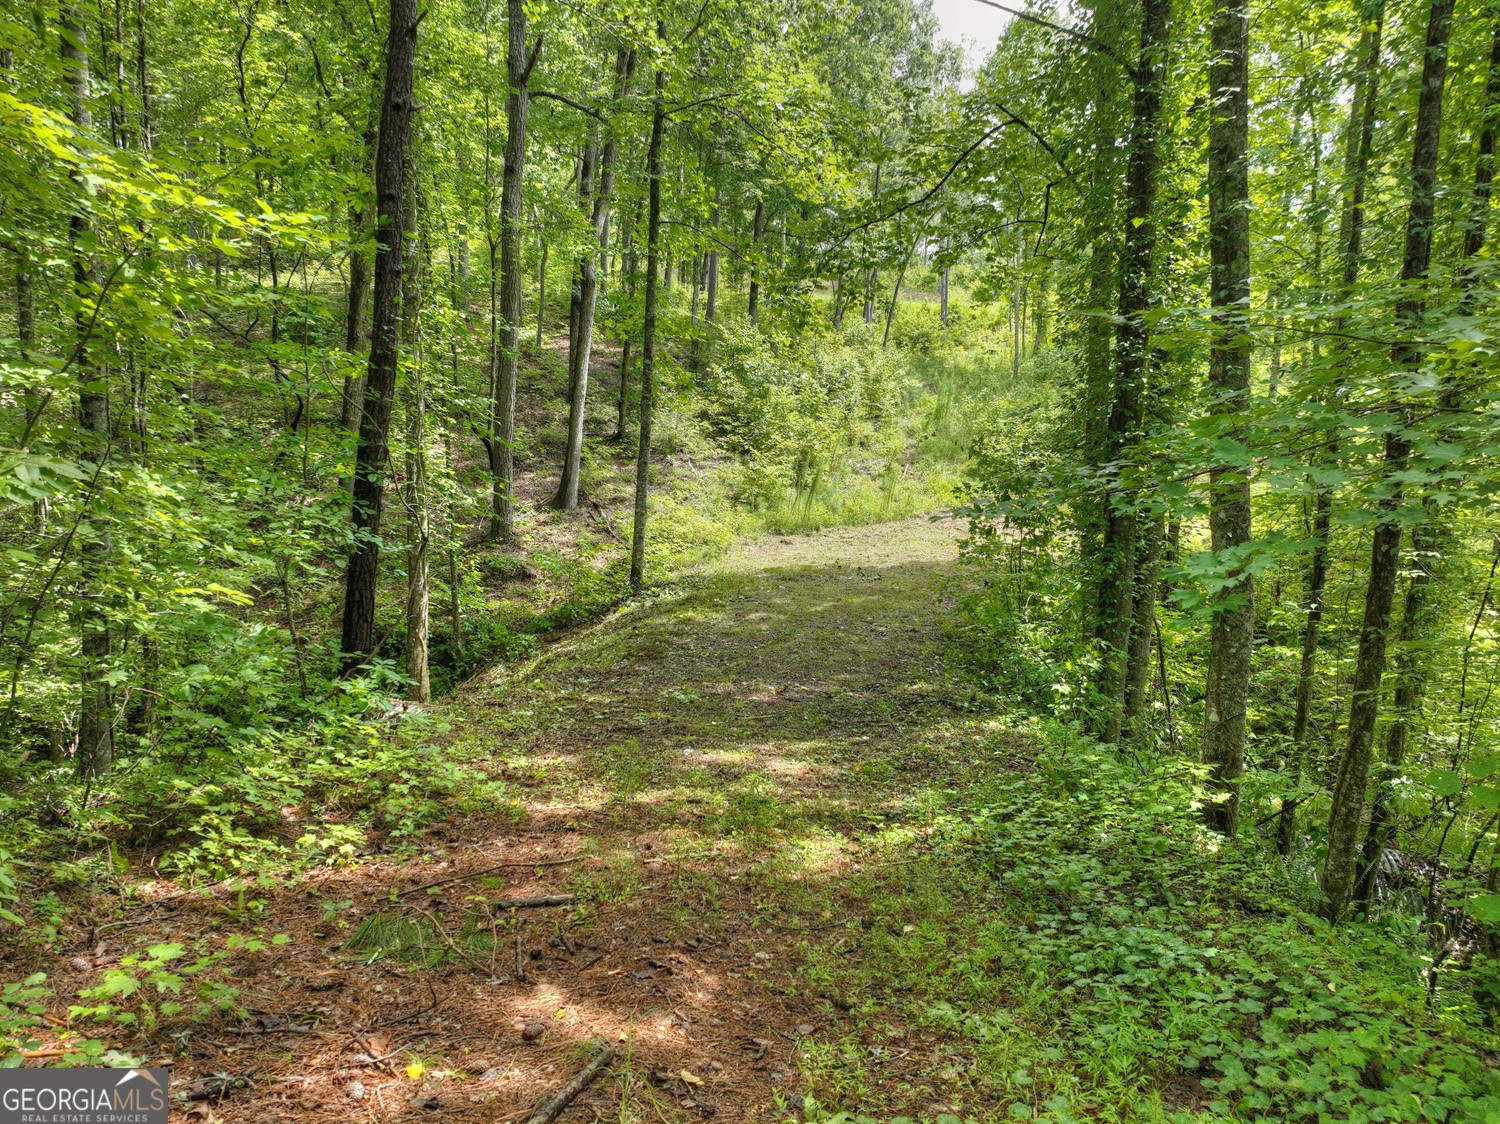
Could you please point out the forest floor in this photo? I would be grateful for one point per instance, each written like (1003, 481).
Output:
(730, 778)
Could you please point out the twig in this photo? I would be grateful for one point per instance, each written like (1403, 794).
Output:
(528, 903)
(549, 1109)
(487, 870)
(444, 934)
(520, 959)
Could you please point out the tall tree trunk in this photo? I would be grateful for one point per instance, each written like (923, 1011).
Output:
(1132, 359)
(711, 297)
(143, 75)
(757, 228)
(1405, 701)
(943, 298)
(1347, 809)
(374, 452)
(541, 292)
(567, 488)
(1418, 613)
(418, 584)
(1359, 144)
(1143, 627)
(359, 292)
(648, 338)
(1227, 691)
(96, 740)
(1038, 337)
(503, 425)
(25, 302)
(890, 313)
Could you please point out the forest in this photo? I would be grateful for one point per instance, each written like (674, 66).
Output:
(687, 558)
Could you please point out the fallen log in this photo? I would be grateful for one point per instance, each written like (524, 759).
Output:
(548, 1109)
(530, 903)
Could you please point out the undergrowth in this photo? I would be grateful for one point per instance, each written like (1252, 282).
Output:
(1101, 955)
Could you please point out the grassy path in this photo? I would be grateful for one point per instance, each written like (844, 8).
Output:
(727, 756)
(731, 779)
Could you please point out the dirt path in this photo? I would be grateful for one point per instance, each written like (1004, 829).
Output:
(727, 770)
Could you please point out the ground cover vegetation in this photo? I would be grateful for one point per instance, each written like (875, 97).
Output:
(954, 592)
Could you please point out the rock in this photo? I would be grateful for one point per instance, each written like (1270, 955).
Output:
(356, 1090)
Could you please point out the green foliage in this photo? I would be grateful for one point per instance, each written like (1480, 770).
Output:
(1101, 946)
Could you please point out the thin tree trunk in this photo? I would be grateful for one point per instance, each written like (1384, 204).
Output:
(567, 488)
(1038, 337)
(96, 740)
(418, 582)
(648, 339)
(1358, 149)
(455, 613)
(541, 293)
(359, 292)
(1347, 809)
(363, 574)
(890, 313)
(1138, 665)
(757, 228)
(503, 426)
(1405, 702)
(25, 315)
(711, 299)
(143, 75)
(943, 297)
(1418, 614)
(1132, 358)
(1227, 691)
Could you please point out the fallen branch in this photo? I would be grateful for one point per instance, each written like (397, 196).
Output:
(528, 903)
(548, 1110)
(487, 870)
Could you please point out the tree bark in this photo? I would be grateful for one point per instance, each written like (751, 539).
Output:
(1360, 141)
(1227, 691)
(385, 343)
(96, 740)
(1138, 665)
(648, 339)
(418, 583)
(757, 228)
(711, 297)
(359, 292)
(1417, 618)
(1405, 702)
(567, 488)
(503, 426)
(1347, 809)
(1132, 359)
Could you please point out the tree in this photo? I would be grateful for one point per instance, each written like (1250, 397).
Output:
(648, 332)
(363, 573)
(507, 346)
(1227, 693)
(1346, 811)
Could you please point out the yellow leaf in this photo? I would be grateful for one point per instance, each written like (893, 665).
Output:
(415, 1070)
(691, 1079)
